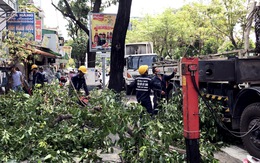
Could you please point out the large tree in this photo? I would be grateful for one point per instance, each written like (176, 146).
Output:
(76, 12)
(226, 16)
(118, 45)
(175, 33)
(119, 33)
(76, 32)
(194, 29)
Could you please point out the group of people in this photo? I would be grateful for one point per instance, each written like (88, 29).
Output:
(19, 83)
(38, 77)
(144, 84)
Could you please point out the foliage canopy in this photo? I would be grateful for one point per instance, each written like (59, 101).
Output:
(51, 126)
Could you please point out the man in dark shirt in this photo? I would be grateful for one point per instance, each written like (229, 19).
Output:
(161, 79)
(43, 74)
(143, 85)
(79, 81)
(37, 76)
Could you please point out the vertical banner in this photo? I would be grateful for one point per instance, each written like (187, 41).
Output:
(101, 31)
(22, 22)
(38, 28)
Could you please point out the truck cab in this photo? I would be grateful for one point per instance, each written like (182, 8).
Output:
(131, 67)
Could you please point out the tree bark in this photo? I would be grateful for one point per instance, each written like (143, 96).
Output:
(91, 59)
(118, 45)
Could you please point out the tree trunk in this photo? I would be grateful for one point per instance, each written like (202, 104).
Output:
(91, 59)
(118, 45)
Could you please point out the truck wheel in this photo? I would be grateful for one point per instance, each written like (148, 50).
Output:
(251, 119)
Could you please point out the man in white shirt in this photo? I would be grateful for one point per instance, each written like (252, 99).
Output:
(17, 77)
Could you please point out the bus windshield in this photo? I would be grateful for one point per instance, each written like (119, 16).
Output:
(134, 62)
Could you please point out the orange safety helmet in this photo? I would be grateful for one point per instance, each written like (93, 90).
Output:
(34, 66)
(142, 69)
(83, 69)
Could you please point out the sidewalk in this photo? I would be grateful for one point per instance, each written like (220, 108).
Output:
(110, 157)
(230, 154)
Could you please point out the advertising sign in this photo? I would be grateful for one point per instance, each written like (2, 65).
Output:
(38, 28)
(101, 31)
(22, 22)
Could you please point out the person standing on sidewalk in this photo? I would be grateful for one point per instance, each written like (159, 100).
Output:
(17, 78)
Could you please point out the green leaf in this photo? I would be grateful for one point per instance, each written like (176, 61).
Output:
(47, 157)
(160, 125)
(160, 134)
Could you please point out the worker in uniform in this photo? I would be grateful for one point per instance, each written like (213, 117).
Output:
(165, 87)
(143, 85)
(37, 76)
(78, 81)
(43, 74)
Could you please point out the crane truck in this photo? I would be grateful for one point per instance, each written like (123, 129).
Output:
(235, 82)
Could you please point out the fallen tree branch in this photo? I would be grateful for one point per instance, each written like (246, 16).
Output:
(62, 117)
(179, 150)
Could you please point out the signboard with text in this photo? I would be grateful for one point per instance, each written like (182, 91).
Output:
(22, 22)
(101, 31)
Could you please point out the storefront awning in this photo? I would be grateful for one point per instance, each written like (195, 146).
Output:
(49, 51)
(44, 52)
(7, 6)
(40, 52)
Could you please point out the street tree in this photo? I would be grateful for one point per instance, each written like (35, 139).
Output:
(118, 45)
(79, 48)
(194, 29)
(226, 16)
(77, 14)
(174, 32)
(15, 47)
(194, 33)
(69, 10)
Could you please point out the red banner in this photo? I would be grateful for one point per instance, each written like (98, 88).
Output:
(38, 27)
